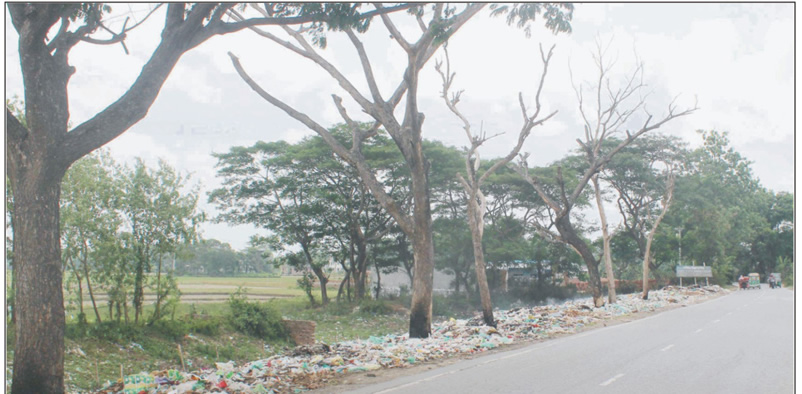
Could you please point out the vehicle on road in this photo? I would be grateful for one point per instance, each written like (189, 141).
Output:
(775, 280)
(743, 282)
(754, 280)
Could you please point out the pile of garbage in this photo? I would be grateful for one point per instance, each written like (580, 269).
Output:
(310, 367)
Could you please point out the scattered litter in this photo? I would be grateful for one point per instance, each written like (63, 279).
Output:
(312, 366)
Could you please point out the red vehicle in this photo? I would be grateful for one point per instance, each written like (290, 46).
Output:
(743, 282)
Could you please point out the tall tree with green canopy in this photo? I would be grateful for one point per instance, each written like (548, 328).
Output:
(41, 149)
(271, 187)
(717, 205)
(443, 22)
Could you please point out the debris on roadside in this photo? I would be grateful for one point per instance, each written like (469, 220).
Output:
(312, 366)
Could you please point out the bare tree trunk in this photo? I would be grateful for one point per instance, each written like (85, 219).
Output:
(568, 234)
(361, 267)
(608, 261)
(91, 293)
(39, 302)
(647, 254)
(378, 282)
(476, 224)
(157, 310)
(321, 276)
(81, 315)
(420, 319)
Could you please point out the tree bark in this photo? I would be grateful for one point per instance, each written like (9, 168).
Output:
(476, 224)
(608, 261)
(647, 253)
(420, 319)
(39, 345)
(321, 276)
(89, 282)
(568, 233)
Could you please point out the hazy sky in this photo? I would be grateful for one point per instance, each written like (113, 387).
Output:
(734, 60)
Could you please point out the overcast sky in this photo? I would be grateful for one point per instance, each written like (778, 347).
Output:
(734, 60)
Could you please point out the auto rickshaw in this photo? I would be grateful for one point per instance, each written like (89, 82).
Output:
(754, 280)
(743, 282)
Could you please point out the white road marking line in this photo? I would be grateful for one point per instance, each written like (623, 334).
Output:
(716, 321)
(728, 313)
(613, 379)
(698, 331)
(667, 347)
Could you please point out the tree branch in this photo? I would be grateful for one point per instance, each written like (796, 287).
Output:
(353, 158)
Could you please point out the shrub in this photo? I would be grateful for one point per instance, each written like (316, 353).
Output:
(173, 329)
(339, 308)
(116, 331)
(375, 307)
(205, 326)
(256, 319)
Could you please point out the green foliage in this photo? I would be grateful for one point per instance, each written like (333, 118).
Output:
(375, 307)
(307, 283)
(172, 329)
(259, 320)
(557, 15)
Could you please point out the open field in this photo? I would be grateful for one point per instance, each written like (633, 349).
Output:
(204, 289)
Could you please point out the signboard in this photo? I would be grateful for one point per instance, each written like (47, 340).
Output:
(690, 271)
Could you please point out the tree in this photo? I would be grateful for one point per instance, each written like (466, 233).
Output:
(445, 21)
(613, 109)
(271, 187)
(40, 150)
(643, 175)
(89, 217)
(159, 219)
(718, 209)
(476, 202)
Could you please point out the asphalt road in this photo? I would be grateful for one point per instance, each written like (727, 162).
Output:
(739, 343)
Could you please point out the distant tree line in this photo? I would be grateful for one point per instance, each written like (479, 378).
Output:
(319, 213)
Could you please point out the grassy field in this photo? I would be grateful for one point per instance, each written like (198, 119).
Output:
(97, 354)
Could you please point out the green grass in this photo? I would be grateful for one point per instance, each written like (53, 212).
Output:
(152, 350)
(94, 357)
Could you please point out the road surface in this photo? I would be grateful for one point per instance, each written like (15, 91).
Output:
(739, 343)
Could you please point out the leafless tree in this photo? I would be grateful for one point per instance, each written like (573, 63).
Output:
(476, 203)
(612, 110)
(406, 133)
(666, 203)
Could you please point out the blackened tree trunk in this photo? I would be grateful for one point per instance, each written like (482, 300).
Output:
(420, 319)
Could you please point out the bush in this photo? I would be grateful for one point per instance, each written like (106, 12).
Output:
(256, 319)
(114, 331)
(375, 307)
(205, 326)
(339, 308)
(173, 329)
